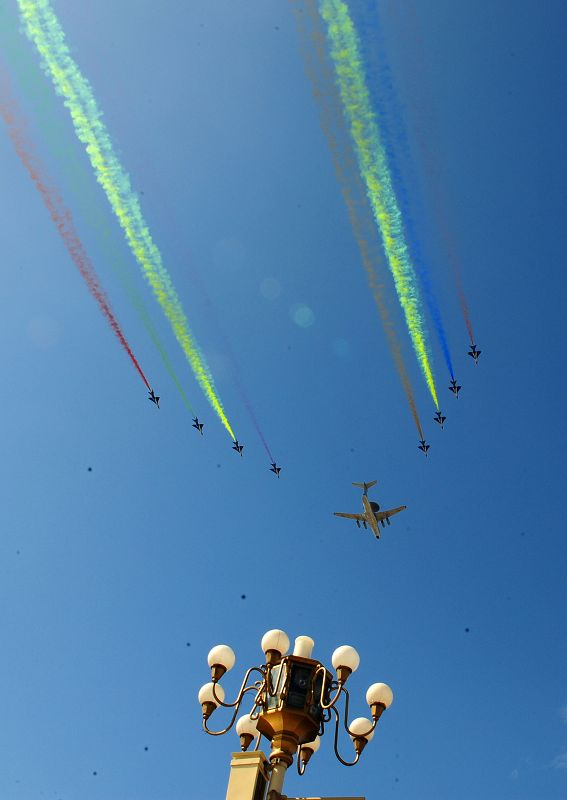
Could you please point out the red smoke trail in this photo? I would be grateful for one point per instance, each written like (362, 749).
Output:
(62, 219)
(463, 299)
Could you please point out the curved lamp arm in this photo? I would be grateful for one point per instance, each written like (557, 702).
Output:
(364, 735)
(236, 707)
(336, 744)
(332, 685)
(259, 700)
(345, 718)
(238, 700)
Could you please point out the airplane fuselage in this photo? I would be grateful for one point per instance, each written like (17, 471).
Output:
(370, 515)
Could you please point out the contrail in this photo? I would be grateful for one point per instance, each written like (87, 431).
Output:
(44, 30)
(332, 124)
(394, 136)
(345, 53)
(60, 216)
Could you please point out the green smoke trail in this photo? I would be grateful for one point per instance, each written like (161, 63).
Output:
(44, 30)
(27, 76)
(320, 74)
(372, 161)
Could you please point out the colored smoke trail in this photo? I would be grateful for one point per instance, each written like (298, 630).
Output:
(459, 281)
(252, 415)
(77, 178)
(44, 30)
(333, 125)
(394, 136)
(196, 277)
(61, 218)
(423, 101)
(344, 49)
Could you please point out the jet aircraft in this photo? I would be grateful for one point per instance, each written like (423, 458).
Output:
(423, 446)
(275, 469)
(153, 397)
(198, 425)
(439, 418)
(474, 353)
(371, 512)
(455, 388)
(238, 447)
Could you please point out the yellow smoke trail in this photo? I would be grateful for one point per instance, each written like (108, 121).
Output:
(345, 53)
(44, 30)
(332, 124)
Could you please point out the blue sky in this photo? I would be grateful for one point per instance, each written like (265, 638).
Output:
(116, 582)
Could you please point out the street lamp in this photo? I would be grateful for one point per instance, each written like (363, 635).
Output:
(292, 699)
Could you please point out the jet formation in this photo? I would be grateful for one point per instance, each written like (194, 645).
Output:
(371, 514)
(199, 428)
(454, 387)
(439, 418)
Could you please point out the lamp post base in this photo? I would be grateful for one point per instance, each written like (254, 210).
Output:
(249, 775)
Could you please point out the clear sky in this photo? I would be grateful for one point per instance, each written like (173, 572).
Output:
(130, 545)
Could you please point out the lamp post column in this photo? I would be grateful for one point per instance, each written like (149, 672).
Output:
(275, 786)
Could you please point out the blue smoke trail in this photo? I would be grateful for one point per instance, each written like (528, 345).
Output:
(394, 137)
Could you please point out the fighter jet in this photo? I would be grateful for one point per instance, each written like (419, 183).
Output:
(198, 425)
(153, 398)
(371, 512)
(423, 446)
(439, 418)
(238, 447)
(275, 469)
(474, 353)
(455, 388)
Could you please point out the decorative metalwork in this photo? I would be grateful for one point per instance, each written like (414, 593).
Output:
(293, 698)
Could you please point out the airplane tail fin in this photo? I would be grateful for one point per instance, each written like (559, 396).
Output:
(365, 486)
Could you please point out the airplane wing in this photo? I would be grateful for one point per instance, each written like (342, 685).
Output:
(389, 513)
(359, 517)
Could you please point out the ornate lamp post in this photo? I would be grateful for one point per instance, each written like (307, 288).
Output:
(292, 698)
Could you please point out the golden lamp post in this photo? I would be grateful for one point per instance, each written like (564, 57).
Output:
(292, 698)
